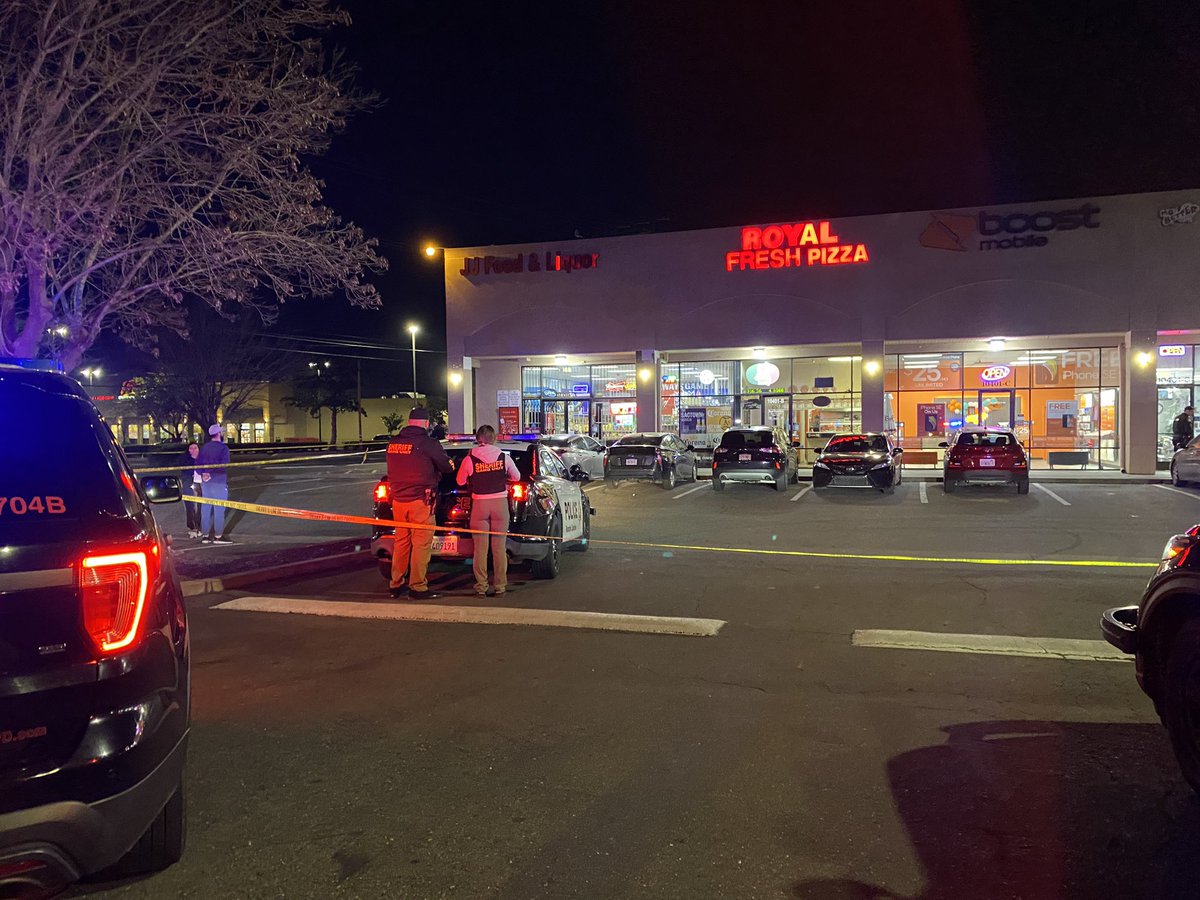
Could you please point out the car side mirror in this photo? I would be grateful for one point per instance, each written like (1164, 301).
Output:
(797, 444)
(161, 488)
(943, 445)
(897, 451)
(577, 473)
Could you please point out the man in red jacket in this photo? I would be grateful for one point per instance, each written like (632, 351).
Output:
(415, 464)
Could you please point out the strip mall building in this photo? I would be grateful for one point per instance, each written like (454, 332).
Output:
(1074, 322)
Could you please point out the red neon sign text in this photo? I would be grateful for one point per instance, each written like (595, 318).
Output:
(792, 245)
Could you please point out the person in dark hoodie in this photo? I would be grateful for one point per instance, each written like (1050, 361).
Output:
(415, 464)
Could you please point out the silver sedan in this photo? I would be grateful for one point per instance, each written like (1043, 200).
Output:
(1185, 464)
(578, 450)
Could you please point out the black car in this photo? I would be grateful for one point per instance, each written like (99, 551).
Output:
(652, 456)
(754, 454)
(94, 663)
(1163, 634)
(547, 501)
(868, 460)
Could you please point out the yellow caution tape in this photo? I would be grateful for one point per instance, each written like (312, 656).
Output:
(311, 515)
(206, 467)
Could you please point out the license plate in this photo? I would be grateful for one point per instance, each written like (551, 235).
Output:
(445, 543)
(743, 457)
(987, 463)
(630, 461)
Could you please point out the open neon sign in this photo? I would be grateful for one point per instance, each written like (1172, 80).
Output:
(792, 245)
(995, 374)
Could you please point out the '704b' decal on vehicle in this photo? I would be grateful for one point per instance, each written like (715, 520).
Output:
(20, 506)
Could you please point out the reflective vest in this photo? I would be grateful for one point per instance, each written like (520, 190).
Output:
(488, 477)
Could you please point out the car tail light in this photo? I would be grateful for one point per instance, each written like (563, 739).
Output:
(112, 589)
(383, 492)
(1020, 464)
(519, 491)
(720, 450)
(954, 462)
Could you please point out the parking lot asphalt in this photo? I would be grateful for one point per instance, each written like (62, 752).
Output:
(778, 758)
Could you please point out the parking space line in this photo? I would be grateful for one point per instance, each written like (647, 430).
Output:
(593, 487)
(923, 491)
(800, 493)
(691, 490)
(994, 644)
(479, 615)
(1175, 490)
(1046, 490)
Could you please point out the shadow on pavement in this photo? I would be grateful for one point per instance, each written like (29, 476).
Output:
(1038, 810)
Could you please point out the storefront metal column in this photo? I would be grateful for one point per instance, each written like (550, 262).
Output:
(871, 380)
(1139, 401)
(648, 405)
(460, 410)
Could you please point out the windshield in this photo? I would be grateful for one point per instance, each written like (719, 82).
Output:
(985, 439)
(857, 444)
(62, 476)
(641, 440)
(739, 440)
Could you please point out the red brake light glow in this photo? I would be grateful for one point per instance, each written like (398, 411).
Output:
(382, 491)
(519, 491)
(113, 592)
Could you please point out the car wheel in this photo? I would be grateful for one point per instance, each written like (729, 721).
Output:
(899, 475)
(718, 484)
(385, 569)
(610, 483)
(547, 567)
(160, 846)
(948, 485)
(1181, 699)
(668, 481)
(1023, 486)
(781, 483)
(1175, 479)
(581, 545)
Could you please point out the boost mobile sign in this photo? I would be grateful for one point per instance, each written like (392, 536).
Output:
(1004, 231)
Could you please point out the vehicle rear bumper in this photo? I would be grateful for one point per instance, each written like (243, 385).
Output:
(56, 843)
(516, 548)
(759, 472)
(1119, 627)
(632, 473)
(986, 476)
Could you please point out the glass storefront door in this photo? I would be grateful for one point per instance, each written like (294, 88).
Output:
(996, 409)
(1171, 401)
(578, 412)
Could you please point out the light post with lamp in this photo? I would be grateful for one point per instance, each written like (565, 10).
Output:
(318, 367)
(91, 373)
(412, 330)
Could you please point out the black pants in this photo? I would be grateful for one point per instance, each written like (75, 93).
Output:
(192, 510)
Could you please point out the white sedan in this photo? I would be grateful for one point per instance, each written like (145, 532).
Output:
(577, 450)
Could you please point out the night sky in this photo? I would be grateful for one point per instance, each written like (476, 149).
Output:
(506, 123)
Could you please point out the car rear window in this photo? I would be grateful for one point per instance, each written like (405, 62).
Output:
(522, 458)
(985, 439)
(740, 440)
(59, 465)
(857, 444)
(638, 440)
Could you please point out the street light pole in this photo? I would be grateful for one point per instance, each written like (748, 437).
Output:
(318, 367)
(412, 330)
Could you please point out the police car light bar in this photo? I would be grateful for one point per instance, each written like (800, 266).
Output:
(521, 437)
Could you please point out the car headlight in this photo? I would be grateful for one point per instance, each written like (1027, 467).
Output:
(882, 465)
(820, 465)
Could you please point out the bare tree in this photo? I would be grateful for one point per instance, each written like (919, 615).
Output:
(152, 149)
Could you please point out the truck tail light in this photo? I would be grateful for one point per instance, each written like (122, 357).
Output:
(112, 589)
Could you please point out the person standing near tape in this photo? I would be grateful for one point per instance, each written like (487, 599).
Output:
(210, 463)
(415, 464)
(191, 480)
(489, 472)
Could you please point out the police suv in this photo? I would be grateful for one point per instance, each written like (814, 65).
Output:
(548, 509)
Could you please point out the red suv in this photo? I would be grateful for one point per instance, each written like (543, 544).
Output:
(986, 456)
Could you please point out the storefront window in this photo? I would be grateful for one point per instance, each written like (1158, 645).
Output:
(1176, 390)
(1059, 403)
